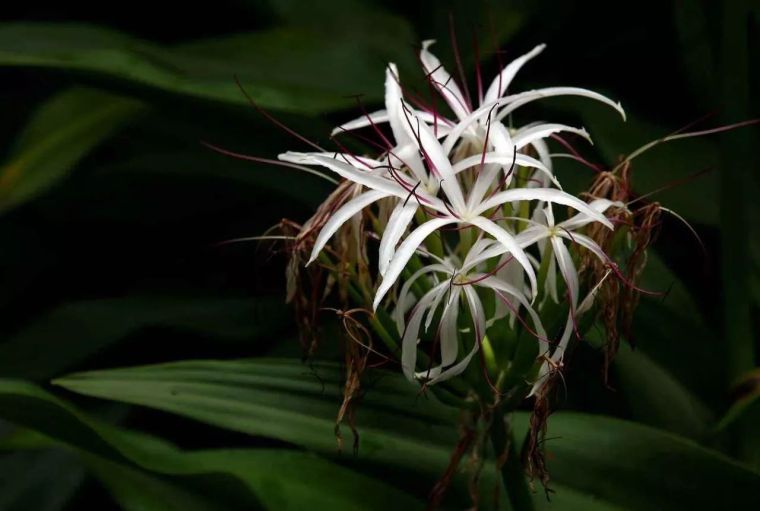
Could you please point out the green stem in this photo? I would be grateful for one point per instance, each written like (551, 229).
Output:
(512, 472)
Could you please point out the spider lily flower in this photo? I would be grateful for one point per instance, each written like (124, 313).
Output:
(475, 124)
(453, 210)
(452, 285)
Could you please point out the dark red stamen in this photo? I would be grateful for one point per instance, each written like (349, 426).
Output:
(273, 120)
(458, 60)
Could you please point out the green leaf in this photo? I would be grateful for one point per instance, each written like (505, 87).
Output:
(656, 398)
(744, 404)
(620, 463)
(248, 396)
(60, 133)
(279, 479)
(637, 467)
(134, 490)
(654, 379)
(72, 332)
(289, 69)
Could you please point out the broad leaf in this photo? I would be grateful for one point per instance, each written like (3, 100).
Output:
(72, 332)
(607, 459)
(291, 69)
(279, 479)
(62, 131)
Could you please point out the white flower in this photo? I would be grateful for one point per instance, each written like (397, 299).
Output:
(453, 210)
(437, 173)
(450, 285)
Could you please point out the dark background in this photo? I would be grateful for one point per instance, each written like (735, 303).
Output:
(116, 260)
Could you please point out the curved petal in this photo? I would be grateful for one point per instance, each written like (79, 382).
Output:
(341, 216)
(503, 79)
(515, 101)
(469, 122)
(500, 285)
(528, 135)
(449, 329)
(411, 334)
(479, 324)
(505, 160)
(586, 242)
(510, 244)
(442, 81)
(362, 177)
(567, 269)
(377, 117)
(582, 219)
(437, 158)
(542, 194)
(542, 149)
(406, 297)
(393, 104)
(405, 252)
(397, 223)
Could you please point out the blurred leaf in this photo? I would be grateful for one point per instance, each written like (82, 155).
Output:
(622, 463)
(62, 131)
(293, 70)
(250, 396)
(134, 490)
(72, 332)
(742, 405)
(38, 480)
(666, 327)
(280, 479)
(638, 467)
(656, 398)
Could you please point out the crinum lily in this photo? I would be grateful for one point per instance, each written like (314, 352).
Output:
(450, 284)
(452, 208)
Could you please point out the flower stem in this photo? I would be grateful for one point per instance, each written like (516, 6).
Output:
(512, 472)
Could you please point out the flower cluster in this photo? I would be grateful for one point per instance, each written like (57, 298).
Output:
(464, 207)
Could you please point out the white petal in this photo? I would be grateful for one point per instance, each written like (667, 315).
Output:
(505, 160)
(581, 219)
(531, 235)
(551, 280)
(362, 122)
(587, 242)
(479, 324)
(543, 155)
(449, 330)
(510, 244)
(501, 285)
(362, 177)
(397, 225)
(393, 104)
(542, 194)
(469, 122)
(437, 158)
(502, 81)
(529, 135)
(517, 100)
(442, 81)
(406, 298)
(411, 334)
(567, 269)
(341, 216)
(405, 252)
